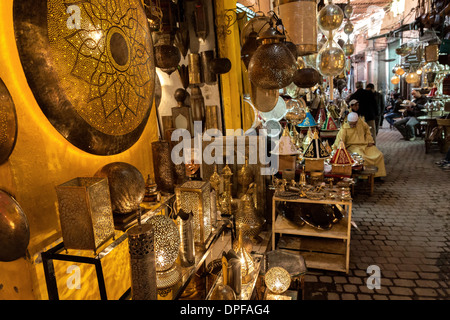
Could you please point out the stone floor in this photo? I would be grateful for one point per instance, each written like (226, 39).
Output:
(403, 229)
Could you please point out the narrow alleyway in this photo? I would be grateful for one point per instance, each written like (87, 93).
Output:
(403, 229)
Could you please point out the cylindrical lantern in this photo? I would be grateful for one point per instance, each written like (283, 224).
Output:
(163, 166)
(142, 262)
(432, 53)
(187, 245)
(206, 57)
(299, 19)
(194, 68)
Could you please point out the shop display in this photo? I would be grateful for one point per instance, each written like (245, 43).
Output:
(8, 123)
(72, 71)
(126, 186)
(142, 261)
(194, 196)
(14, 229)
(85, 212)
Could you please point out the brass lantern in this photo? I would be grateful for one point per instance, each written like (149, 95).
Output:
(194, 196)
(348, 48)
(273, 65)
(331, 59)
(330, 17)
(395, 79)
(299, 18)
(85, 213)
(277, 280)
(412, 77)
(348, 28)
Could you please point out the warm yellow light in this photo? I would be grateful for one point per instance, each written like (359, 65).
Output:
(277, 280)
(399, 71)
(395, 79)
(412, 77)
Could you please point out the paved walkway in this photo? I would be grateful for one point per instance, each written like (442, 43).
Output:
(403, 228)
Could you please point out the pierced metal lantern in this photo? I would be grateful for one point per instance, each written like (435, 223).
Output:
(141, 247)
(85, 213)
(306, 78)
(194, 196)
(299, 19)
(249, 47)
(273, 65)
(167, 241)
(277, 280)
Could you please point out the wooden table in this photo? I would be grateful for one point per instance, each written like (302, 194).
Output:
(368, 173)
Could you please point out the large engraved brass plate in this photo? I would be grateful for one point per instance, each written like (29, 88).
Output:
(90, 65)
(8, 123)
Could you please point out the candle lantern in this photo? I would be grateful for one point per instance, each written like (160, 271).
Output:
(194, 196)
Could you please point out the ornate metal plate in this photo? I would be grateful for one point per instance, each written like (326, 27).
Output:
(90, 65)
(8, 123)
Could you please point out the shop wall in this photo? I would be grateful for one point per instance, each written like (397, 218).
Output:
(41, 160)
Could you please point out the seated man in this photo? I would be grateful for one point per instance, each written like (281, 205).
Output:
(406, 125)
(357, 138)
(394, 109)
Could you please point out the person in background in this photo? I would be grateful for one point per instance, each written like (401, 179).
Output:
(367, 106)
(393, 110)
(379, 98)
(357, 138)
(414, 109)
(445, 163)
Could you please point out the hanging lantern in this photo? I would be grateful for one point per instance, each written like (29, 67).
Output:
(257, 24)
(412, 77)
(306, 77)
(348, 10)
(272, 66)
(296, 113)
(299, 18)
(330, 17)
(348, 48)
(348, 28)
(395, 79)
(399, 71)
(331, 59)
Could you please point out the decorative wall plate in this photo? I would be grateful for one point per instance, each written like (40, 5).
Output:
(90, 65)
(8, 123)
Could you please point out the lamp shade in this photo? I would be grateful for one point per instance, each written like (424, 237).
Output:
(412, 77)
(316, 149)
(273, 65)
(330, 17)
(308, 121)
(395, 79)
(299, 17)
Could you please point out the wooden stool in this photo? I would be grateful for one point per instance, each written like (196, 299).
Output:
(368, 173)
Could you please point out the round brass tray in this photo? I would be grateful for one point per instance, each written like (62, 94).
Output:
(90, 66)
(8, 123)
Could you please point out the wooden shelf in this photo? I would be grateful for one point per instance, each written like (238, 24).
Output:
(321, 249)
(338, 230)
